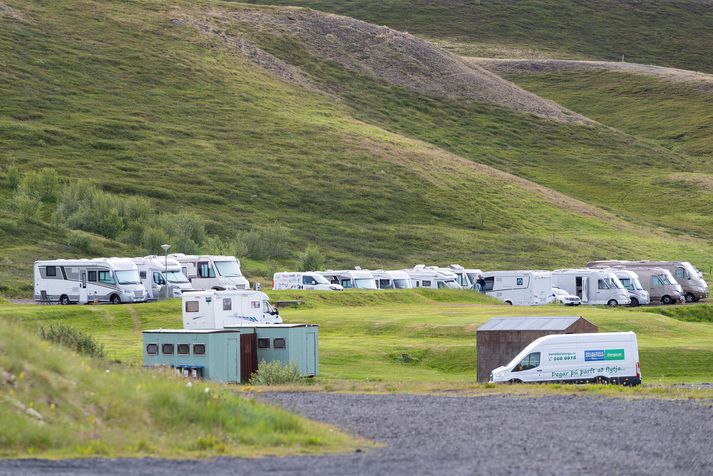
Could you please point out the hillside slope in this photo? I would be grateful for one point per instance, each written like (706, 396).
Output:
(205, 107)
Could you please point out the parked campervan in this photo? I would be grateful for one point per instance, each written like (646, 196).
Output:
(208, 271)
(519, 288)
(351, 278)
(607, 357)
(69, 281)
(630, 280)
(214, 309)
(691, 279)
(392, 279)
(422, 276)
(162, 277)
(464, 277)
(593, 286)
(303, 280)
(660, 284)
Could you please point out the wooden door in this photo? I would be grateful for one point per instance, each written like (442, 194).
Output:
(248, 356)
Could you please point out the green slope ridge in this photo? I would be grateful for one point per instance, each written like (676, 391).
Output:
(667, 33)
(123, 95)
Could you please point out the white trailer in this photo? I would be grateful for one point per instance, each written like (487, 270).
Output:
(422, 276)
(162, 277)
(231, 308)
(303, 280)
(520, 288)
(210, 271)
(593, 286)
(607, 357)
(392, 279)
(351, 278)
(72, 281)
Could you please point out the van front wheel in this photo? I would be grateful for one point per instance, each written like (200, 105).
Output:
(634, 302)
(64, 300)
(667, 300)
(514, 381)
(612, 303)
(509, 303)
(115, 299)
(690, 297)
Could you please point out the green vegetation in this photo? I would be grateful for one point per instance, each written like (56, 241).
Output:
(55, 403)
(645, 32)
(76, 340)
(277, 373)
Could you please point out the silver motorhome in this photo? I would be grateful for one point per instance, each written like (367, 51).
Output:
(660, 284)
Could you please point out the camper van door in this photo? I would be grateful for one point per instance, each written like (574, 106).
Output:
(585, 289)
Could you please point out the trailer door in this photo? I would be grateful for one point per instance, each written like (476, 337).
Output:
(585, 289)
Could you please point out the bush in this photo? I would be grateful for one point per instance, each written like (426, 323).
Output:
(80, 240)
(276, 373)
(311, 259)
(27, 206)
(214, 245)
(13, 176)
(72, 338)
(43, 183)
(266, 243)
(185, 231)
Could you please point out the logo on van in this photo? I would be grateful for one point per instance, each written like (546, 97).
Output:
(609, 354)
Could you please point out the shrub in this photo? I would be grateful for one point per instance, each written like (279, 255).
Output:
(276, 373)
(311, 259)
(27, 206)
(42, 183)
(185, 231)
(13, 176)
(266, 243)
(216, 246)
(80, 240)
(72, 338)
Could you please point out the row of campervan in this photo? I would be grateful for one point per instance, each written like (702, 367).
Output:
(128, 280)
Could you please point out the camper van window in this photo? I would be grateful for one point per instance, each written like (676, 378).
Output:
(152, 349)
(263, 343)
(400, 283)
(680, 273)
(227, 304)
(530, 362)
(255, 304)
(518, 282)
(489, 282)
(308, 280)
(192, 306)
(176, 277)
(167, 349)
(128, 277)
(198, 349)
(142, 274)
(205, 270)
(603, 284)
(347, 283)
(228, 269)
(51, 271)
(384, 284)
(279, 343)
(183, 349)
(158, 278)
(426, 284)
(105, 277)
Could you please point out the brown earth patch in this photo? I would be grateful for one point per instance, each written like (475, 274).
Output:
(7, 11)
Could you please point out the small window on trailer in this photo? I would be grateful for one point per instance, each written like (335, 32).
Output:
(152, 349)
(92, 276)
(279, 343)
(51, 271)
(142, 274)
(227, 304)
(263, 343)
(183, 349)
(167, 349)
(255, 304)
(198, 349)
(426, 284)
(192, 306)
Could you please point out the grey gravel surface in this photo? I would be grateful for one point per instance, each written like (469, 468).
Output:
(467, 435)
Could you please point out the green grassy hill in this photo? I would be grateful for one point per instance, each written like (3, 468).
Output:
(667, 33)
(215, 109)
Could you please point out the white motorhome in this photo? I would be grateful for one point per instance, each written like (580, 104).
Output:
(71, 281)
(630, 280)
(660, 285)
(231, 308)
(691, 279)
(423, 276)
(392, 279)
(210, 271)
(303, 280)
(464, 277)
(351, 278)
(593, 286)
(162, 277)
(607, 357)
(519, 288)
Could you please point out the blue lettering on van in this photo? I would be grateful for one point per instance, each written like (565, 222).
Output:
(593, 355)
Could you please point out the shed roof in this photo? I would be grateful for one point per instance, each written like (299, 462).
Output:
(529, 323)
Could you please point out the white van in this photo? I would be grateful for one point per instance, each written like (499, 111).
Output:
(231, 308)
(630, 280)
(71, 281)
(592, 286)
(162, 277)
(392, 279)
(351, 278)
(422, 276)
(209, 271)
(520, 288)
(607, 357)
(307, 280)
(465, 277)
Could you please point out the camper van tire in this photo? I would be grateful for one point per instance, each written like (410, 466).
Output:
(634, 302)
(115, 299)
(613, 303)
(509, 303)
(690, 297)
(514, 381)
(64, 300)
(666, 299)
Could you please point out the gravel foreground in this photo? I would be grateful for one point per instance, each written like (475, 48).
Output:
(466, 435)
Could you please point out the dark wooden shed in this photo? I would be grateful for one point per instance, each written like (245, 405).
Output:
(500, 339)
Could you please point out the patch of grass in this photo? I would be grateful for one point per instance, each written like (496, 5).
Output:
(76, 340)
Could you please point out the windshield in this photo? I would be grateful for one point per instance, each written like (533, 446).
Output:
(626, 282)
(364, 283)
(228, 269)
(615, 283)
(692, 271)
(452, 284)
(664, 279)
(127, 277)
(463, 280)
(319, 279)
(401, 284)
(472, 277)
(176, 277)
(636, 284)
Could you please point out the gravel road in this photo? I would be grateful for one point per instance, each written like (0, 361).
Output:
(467, 435)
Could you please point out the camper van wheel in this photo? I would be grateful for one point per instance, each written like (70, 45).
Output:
(690, 297)
(667, 300)
(601, 380)
(612, 303)
(115, 299)
(509, 303)
(64, 300)
(634, 302)
(514, 381)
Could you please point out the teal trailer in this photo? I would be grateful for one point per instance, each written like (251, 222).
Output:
(296, 343)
